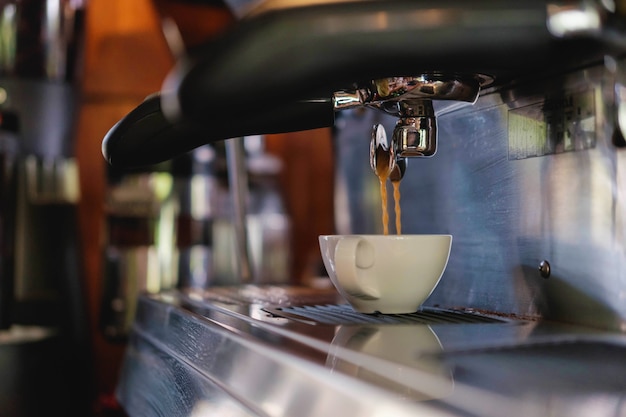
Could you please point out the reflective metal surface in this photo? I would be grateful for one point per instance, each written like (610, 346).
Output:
(386, 93)
(528, 180)
(227, 351)
(524, 176)
(415, 134)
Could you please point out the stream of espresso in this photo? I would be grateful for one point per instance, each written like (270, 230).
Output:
(382, 172)
(383, 198)
(396, 200)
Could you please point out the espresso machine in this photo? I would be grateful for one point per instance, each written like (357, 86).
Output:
(508, 121)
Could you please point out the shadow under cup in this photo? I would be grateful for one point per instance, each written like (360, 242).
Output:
(390, 274)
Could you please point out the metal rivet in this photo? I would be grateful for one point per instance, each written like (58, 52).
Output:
(544, 269)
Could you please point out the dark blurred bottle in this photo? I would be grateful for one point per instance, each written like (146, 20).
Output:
(9, 154)
(41, 48)
(41, 45)
(269, 228)
(138, 251)
(205, 237)
(195, 188)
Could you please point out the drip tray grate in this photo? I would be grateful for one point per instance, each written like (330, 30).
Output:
(344, 314)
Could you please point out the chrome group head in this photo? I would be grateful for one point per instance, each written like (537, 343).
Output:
(411, 100)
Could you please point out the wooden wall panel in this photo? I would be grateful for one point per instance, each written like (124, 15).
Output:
(126, 59)
(307, 184)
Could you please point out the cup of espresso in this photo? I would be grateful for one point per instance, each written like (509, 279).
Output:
(390, 274)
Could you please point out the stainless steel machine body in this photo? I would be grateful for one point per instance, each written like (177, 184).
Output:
(529, 317)
(244, 351)
(525, 178)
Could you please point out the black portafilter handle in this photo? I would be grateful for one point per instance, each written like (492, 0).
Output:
(146, 136)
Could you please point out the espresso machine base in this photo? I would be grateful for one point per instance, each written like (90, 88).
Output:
(273, 350)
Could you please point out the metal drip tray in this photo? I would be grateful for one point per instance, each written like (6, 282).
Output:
(565, 368)
(344, 314)
(265, 351)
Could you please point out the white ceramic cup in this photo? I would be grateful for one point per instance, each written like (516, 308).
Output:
(390, 274)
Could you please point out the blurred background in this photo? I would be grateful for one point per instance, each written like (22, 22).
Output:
(126, 59)
(122, 58)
